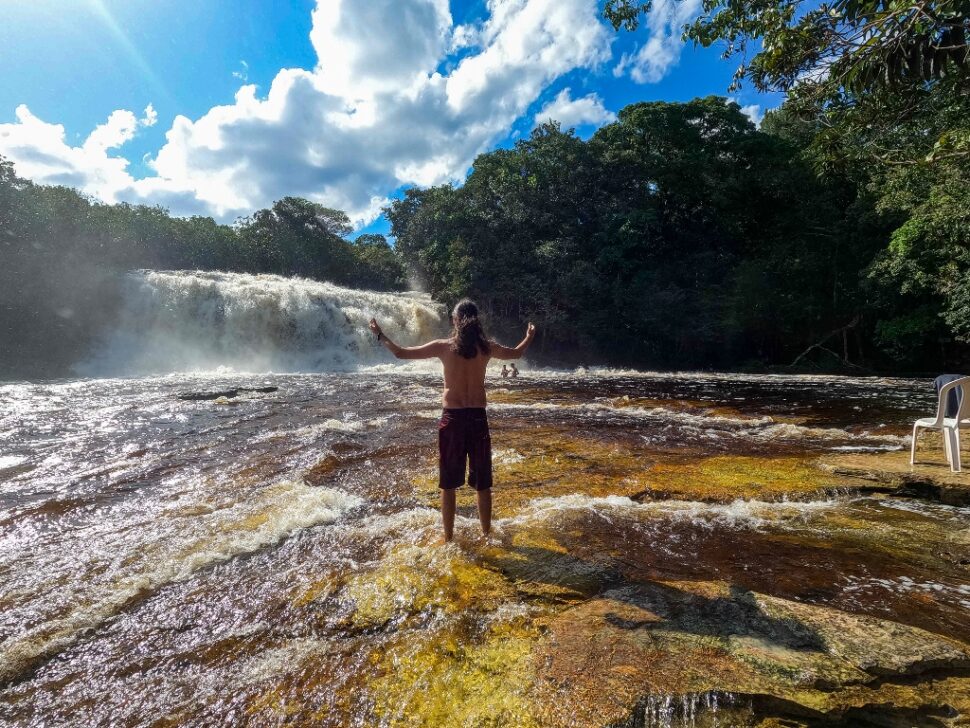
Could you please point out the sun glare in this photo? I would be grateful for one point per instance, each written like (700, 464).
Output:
(101, 10)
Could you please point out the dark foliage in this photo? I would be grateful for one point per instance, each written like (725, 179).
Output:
(678, 236)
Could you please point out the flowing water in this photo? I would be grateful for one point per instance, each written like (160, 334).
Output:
(665, 550)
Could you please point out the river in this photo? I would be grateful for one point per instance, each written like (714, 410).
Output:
(665, 550)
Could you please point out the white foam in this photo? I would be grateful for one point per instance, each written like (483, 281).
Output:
(11, 461)
(349, 425)
(601, 409)
(277, 661)
(605, 372)
(958, 515)
(278, 511)
(867, 448)
(905, 585)
(759, 428)
(507, 456)
(173, 321)
(788, 431)
(407, 525)
(737, 514)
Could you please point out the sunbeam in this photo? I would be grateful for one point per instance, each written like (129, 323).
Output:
(102, 11)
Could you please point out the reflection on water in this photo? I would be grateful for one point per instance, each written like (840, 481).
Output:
(665, 553)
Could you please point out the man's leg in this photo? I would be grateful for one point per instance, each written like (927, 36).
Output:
(484, 509)
(451, 467)
(448, 511)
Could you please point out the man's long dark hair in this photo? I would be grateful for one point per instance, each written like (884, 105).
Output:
(467, 336)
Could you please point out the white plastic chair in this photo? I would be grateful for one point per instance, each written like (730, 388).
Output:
(949, 426)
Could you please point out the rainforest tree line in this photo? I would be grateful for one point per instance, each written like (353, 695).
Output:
(878, 101)
(835, 236)
(677, 236)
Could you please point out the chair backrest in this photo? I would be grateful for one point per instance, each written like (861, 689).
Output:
(963, 411)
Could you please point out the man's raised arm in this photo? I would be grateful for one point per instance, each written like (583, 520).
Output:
(425, 351)
(504, 352)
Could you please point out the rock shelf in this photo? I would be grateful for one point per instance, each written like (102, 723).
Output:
(931, 477)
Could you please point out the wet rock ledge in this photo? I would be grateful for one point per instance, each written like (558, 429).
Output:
(930, 478)
(752, 653)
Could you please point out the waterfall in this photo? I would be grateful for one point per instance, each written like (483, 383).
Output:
(183, 321)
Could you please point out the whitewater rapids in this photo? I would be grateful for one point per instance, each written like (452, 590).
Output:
(196, 321)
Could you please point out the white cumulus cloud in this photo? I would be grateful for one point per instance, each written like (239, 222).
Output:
(41, 153)
(661, 52)
(118, 129)
(150, 117)
(386, 105)
(364, 48)
(754, 112)
(572, 112)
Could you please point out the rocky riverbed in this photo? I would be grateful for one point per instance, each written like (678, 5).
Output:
(669, 550)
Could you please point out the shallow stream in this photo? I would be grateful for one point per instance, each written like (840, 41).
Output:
(665, 552)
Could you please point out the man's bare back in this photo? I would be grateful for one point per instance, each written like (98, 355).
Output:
(464, 384)
(464, 378)
(463, 431)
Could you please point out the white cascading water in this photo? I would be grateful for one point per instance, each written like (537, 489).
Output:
(190, 321)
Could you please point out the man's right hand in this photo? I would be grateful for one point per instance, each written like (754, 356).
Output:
(530, 330)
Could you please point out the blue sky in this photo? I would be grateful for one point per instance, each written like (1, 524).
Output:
(369, 97)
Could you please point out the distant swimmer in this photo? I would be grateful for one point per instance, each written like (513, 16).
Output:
(463, 436)
(505, 372)
(515, 371)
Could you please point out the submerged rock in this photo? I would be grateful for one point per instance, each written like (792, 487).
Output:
(227, 394)
(603, 658)
(931, 477)
(724, 478)
(546, 462)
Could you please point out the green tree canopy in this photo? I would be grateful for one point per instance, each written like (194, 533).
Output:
(878, 94)
(679, 235)
(855, 45)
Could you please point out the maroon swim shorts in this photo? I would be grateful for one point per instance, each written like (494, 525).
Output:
(463, 436)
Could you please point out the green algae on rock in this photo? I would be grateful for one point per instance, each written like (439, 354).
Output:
(723, 478)
(547, 461)
(478, 677)
(414, 579)
(930, 478)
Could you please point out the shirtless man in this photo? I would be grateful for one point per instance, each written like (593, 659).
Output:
(463, 430)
